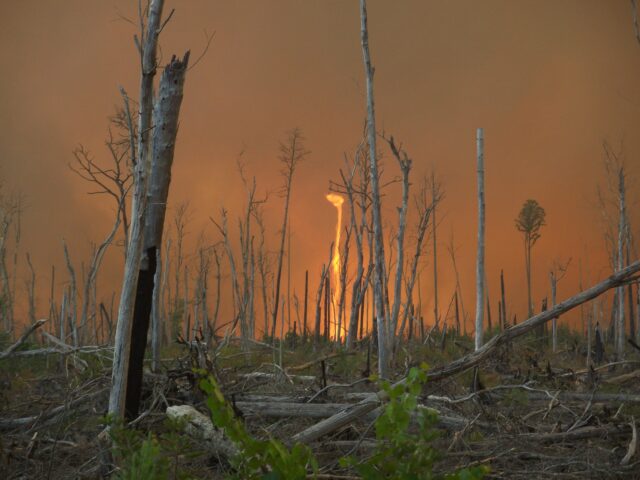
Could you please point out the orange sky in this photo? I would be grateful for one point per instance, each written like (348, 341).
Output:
(547, 80)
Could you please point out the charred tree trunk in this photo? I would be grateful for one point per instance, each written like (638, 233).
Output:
(503, 321)
(436, 314)
(480, 258)
(138, 208)
(165, 121)
(306, 300)
(620, 323)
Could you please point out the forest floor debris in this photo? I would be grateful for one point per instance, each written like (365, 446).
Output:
(524, 413)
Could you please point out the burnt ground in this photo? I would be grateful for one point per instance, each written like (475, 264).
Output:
(525, 413)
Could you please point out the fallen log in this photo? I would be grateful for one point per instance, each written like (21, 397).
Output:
(61, 411)
(578, 434)
(22, 339)
(200, 427)
(311, 363)
(324, 410)
(277, 376)
(474, 358)
(625, 377)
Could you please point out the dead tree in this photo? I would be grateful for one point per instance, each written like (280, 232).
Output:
(235, 285)
(425, 206)
(291, 154)
(247, 251)
(452, 253)
(92, 273)
(9, 216)
(503, 318)
(405, 167)
(380, 277)
(179, 308)
(125, 386)
(141, 161)
(114, 180)
(323, 280)
(558, 271)
(480, 275)
(353, 412)
(263, 270)
(436, 314)
(622, 236)
(343, 284)
(165, 129)
(614, 214)
(73, 298)
(31, 290)
(357, 195)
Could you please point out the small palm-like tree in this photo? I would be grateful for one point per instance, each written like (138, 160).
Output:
(529, 222)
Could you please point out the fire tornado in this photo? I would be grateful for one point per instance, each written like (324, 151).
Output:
(337, 201)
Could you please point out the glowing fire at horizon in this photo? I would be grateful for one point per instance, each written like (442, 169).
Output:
(337, 201)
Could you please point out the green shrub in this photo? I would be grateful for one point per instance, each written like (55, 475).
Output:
(152, 457)
(401, 454)
(144, 461)
(259, 459)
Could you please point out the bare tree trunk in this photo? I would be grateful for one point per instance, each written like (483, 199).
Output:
(73, 297)
(289, 276)
(165, 120)
(119, 376)
(306, 299)
(323, 278)
(620, 324)
(452, 253)
(121, 366)
(17, 226)
(424, 210)
(31, 289)
(436, 314)
(480, 258)
(457, 313)
(379, 281)
(179, 306)
(156, 329)
(638, 309)
(291, 155)
(632, 323)
(593, 317)
(186, 315)
(503, 320)
(7, 211)
(343, 286)
(554, 321)
(263, 270)
(52, 302)
(165, 297)
(224, 231)
(359, 286)
(582, 319)
(94, 267)
(216, 310)
(405, 167)
(323, 275)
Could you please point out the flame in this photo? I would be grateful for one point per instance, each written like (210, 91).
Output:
(337, 201)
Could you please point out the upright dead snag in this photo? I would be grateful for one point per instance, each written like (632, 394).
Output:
(480, 276)
(380, 277)
(122, 346)
(165, 121)
(291, 155)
